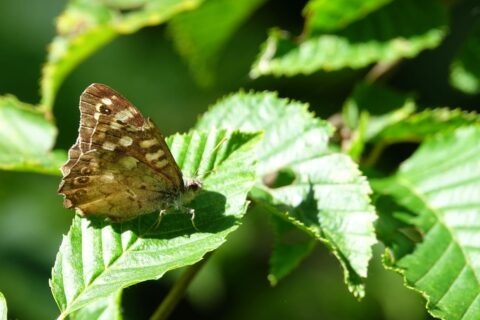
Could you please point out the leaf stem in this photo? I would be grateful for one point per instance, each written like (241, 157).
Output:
(375, 154)
(382, 70)
(178, 290)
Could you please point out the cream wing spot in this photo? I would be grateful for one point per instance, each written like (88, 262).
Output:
(161, 164)
(107, 101)
(115, 126)
(107, 145)
(124, 115)
(96, 115)
(154, 156)
(148, 143)
(97, 106)
(125, 141)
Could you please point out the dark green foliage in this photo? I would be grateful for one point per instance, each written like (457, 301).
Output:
(309, 177)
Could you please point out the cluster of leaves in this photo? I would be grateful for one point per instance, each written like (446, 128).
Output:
(277, 154)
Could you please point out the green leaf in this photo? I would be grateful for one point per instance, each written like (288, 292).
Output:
(86, 25)
(103, 309)
(126, 4)
(437, 191)
(3, 307)
(465, 68)
(401, 29)
(290, 248)
(384, 106)
(199, 35)
(323, 15)
(322, 190)
(428, 122)
(26, 139)
(389, 117)
(97, 259)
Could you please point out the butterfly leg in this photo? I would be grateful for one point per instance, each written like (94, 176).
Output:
(161, 213)
(191, 211)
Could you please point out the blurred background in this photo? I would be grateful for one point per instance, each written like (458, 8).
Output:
(147, 70)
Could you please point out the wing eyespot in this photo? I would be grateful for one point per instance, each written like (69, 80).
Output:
(105, 110)
(81, 180)
(86, 171)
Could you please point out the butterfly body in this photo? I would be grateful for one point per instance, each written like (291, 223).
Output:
(120, 166)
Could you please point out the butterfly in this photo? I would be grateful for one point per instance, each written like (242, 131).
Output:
(120, 166)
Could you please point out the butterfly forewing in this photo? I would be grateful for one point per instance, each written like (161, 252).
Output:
(120, 165)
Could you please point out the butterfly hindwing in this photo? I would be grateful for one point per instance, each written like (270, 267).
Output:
(103, 183)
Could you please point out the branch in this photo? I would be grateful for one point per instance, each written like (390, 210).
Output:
(178, 290)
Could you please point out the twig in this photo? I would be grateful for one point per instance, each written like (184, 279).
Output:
(375, 154)
(178, 290)
(381, 70)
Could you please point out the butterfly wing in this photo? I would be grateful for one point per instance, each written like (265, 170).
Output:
(120, 165)
(119, 187)
(110, 122)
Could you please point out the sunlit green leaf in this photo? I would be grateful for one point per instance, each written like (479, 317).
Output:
(298, 173)
(465, 68)
(401, 29)
(418, 126)
(103, 309)
(86, 25)
(200, 35)
(126, 4)
(437, 191)
(97, 259)
(391, 118)
(384, 106)
(3, 307)
(26, 139)
(324, 15)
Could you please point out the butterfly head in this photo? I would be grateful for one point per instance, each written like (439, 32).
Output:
(193, 185)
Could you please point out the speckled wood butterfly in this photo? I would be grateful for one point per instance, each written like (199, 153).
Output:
(120, 166)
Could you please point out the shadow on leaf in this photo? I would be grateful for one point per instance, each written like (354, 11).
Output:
(210, 217)
(395, 228)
